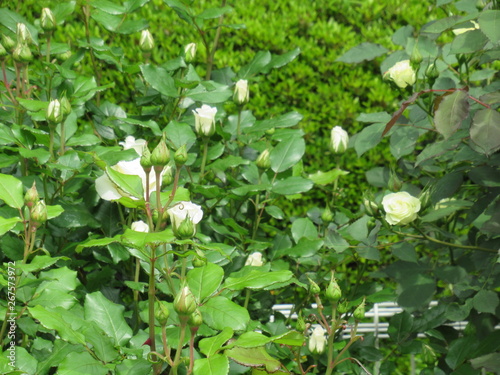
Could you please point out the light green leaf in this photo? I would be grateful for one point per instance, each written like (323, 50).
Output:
(257, 279)
(39, 262)
(292, 185)
(11, 191)
(130, 184)
(180, 134)
(216, 365)
(277, 61)
(363, 52)
(81, 364)
(368, 138)
(220, 312)
(212, 95)
(452, 110)
(253, 357)
(8, 224)
(288, 152)
(257, 65)
(468, 42)
(204, 281)
(52, 298)
(304, 227)
(108, 316)
(325, 178)
(283, 121)
(211, 13)
(485, 130)
(160, 80)
(211, 345)
(108, 7)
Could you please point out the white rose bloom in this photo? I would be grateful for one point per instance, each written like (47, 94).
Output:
(465, 29)
(205, 120)
(241, 92)
(109, 191)
(317, 340)
(400, 208)
(338, 140)
(140, 226)
(136, 144)
(402, 74)
(254, 259)
(181, 210)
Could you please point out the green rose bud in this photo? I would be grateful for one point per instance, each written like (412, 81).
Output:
(146, 42)
(333, 292)
(162, 312)
(184, 302)
(199, 259)
(339, 139)
(39, 213)
(394, 183)
(371, 208)
(22, 53)
(195, 319)
(145, 161)
(23, 34)
(264, 160)
(416, 57)
(65, 106)
(185, 230)
(241, 92)
(180, 156)
(428, 355)
(343, 307)
(301, 324)
(359, 313)
(168, 177)
(161, 155)
(270, 131)
(31, 197)
(327, 215)
(54, 112)
(313, 287)
(48, 21)
(8, 43)
(3, 52)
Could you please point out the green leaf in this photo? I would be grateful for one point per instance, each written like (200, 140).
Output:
(257, 279)
(490, 362)
(211, 345)
(485, 130)
(292, 185)
(108, 316)
(288, 152)
(363, 52)
(180, 134)
(220, 312)
(489, 22)
(468, 42)
(97, 242)
(39, 262)
(204, 281)
(277, 61)
(417, 290)
(452, 110)
(108, 7)
(257, 65)
(54, 320)
(211, 13)
(460, 350)
(81, 363)
(160, 80)
(400, 327)
(253, 357)
(486, 301)
(214, 94)
(10, 20)
(102, 345)
(8, 224)
(368, 138)
(405, 251)
(304, 227)
(215, 365)
(403, 141)
(140, 240)
(326, 178)
(52, 298)
(11, 191)
(275, 212)
(359, 229)
(283, 121)
(130, 184)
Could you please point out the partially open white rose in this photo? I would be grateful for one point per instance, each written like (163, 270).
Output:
(317, 340)
(400, 208)
(140, 226)
(136, 144)
(339, 139)
(402, 74)
(204, 118)
(184, 217)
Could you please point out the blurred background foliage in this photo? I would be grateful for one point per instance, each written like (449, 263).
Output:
(326, 92)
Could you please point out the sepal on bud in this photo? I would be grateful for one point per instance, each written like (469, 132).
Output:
(327, 215)
(22, 53)
(313, 287)
(333, 291)
(47, 20)
(195, 319)
(185, 230)
(23, 34)
(180, 156)
(31, 197)
(162, 312)
(145, 161)
(160, 155)
(8, 43)
(39, 213)
(359, 313)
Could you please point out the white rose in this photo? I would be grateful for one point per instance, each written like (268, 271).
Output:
(241, 92)
(317, 340)
(109, 191)
(204, 118)
(254, 259)
(181, 210)
(402, 74)
(338, 140)
(136, 144)
(140, 226)
(400, 208)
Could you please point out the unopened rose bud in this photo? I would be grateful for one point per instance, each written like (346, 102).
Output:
(184, 302)
(199, 259)
(180, 156)
(22, 53)
(160, 155)
(317, 341)
(416, 57)
(64, 56)
(333, 292)
(270, 132)
(301, 324)
(65, 106)
(162, 312)
(23, 34)
(402, 74)
(168, 177)
(39, 213)
(327, 215)
(241, 92)
(31, 197)
(8, 43)
(185, 230)
(3, 52)
(342, 307)
(204, 118)
(254, 259)
(140, 226)
(359, 313)
(48, 21)
(54, 112)
(146, 42)
(190, 52)
(313, 287)
(195, 319)
(338, 140)
(394, 183)
(145, 161)
(264, 160)
(371, 208)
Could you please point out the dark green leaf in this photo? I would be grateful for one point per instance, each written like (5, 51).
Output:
(486, 301)
(460, 350)
(363, 52)
(259, 62)
(287, 154)
(485, 130)
(452, 110)
(400, 327)
(468, 42)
